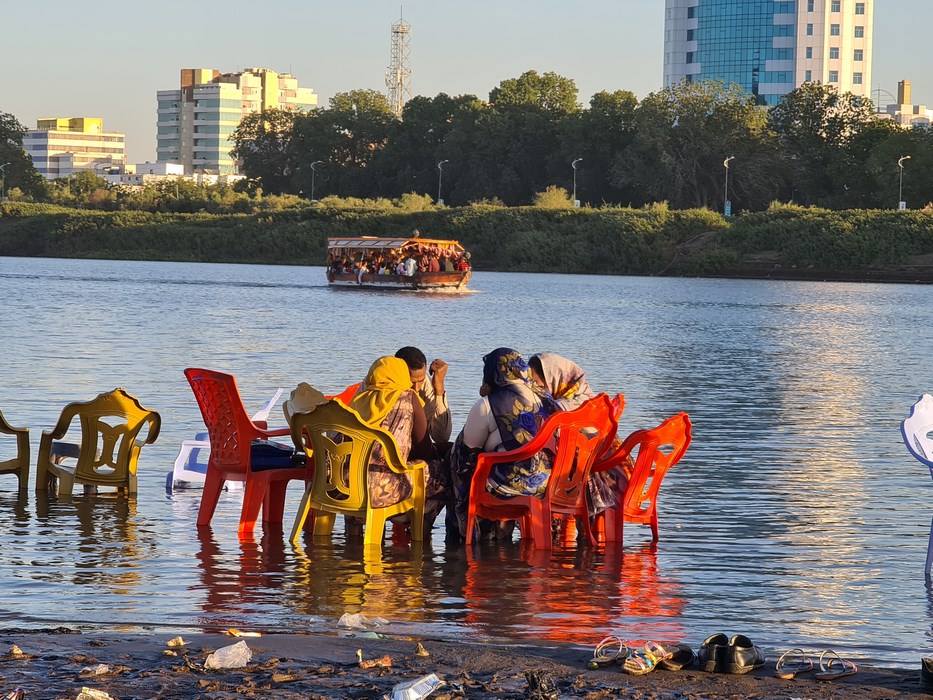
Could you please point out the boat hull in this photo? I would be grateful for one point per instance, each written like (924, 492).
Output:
(420, 282)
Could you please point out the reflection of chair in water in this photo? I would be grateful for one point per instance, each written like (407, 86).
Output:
(243, 582)
(340, 483)
(658, 449)
(240, 451)
(18, 465)
(108, 452)
(581, 436)
(916, 430)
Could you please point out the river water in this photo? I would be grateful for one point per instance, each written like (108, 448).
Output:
(796, 517)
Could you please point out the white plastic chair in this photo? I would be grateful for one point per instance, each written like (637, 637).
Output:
(915, 430)
(188, 472)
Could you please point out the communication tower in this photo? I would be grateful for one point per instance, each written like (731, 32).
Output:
(398, 74)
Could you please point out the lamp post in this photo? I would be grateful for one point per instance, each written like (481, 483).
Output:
(573, 164)
(727, 205)
(313, 173)
(440, 175)
(3, 181)
(901, 204)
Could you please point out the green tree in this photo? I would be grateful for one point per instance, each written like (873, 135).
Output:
(262, 144)
(815, 123)
(19, 171)
(684, 133)
(550, 92)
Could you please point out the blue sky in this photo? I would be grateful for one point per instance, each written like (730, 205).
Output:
(108, 58)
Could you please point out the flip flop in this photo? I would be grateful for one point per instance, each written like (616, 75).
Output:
(792, 663)
(638, 663)
(833, 666)
(610, 650)
(682, 657)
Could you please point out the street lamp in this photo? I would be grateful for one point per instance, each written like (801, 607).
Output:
(313, 173)
(901, 204)
(573, 165)
(727, 205)
(3, 181)
(440, 174)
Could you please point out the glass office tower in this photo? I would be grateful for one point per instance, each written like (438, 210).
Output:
(769, 47)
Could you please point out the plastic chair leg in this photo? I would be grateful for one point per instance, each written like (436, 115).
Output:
(273, 508)
(302, 516)
(374, 531)
(654, 526)
(324, 524)
(253, 498)
(213, 485)
(417, 524)
(926, 571)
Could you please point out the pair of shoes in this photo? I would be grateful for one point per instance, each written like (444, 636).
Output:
(792, 663)
(639, 662)
(682, 656)
(833, 666)
(737, 655)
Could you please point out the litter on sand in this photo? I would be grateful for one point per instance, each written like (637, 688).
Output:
(234, 656)
(416, 689)
(233, 632)
(358, 621)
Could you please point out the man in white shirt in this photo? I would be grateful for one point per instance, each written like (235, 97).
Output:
(431, 392)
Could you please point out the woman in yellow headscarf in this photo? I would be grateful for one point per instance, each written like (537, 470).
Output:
(388, 401)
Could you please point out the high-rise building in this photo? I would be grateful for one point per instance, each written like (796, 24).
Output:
(63, 146)
(769, 47)
(195, 122)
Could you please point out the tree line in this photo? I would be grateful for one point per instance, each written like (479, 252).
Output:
(817, 147)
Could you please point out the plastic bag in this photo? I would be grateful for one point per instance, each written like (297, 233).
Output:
(417, 689)
(358, 621)
(234, 656)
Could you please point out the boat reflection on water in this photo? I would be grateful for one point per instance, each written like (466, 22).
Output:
(575, 595)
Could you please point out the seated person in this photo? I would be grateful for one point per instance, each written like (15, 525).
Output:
(432, 393)
(508, 414)
(388, 401)
(567, 383)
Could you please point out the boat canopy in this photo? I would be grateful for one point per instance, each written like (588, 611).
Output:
(373, 243)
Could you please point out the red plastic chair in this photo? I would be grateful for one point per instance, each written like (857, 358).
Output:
(581, 435)
(346, 396)
(659, 449)
(231, 435)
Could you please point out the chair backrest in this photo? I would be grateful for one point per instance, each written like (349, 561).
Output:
(582, 435)
(916, 429)
(229, 426)
(618, 406)
(110, 425)
(341, 445)
(659, 449)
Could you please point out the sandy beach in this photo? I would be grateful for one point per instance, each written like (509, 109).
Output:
(57, 664)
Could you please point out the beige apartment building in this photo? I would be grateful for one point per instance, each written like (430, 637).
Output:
(63, 146)
(195, 121)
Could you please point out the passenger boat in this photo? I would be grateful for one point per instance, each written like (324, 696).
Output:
(355, 262)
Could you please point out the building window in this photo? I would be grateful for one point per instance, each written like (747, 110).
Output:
(834, 52)
(809, 52)
(859, 32)
(809, 5)
(860, 8)
(857, 55)
(691, 34)
(834, 76)
(691, 12)
(835, 6)
(834, 30)
(691, 57)
(856, 78)
(808, 76)
(809, 29)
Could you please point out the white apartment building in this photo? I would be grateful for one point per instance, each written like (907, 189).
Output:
(63, 146)
(770, 47)
(905, 113)
(195, 122)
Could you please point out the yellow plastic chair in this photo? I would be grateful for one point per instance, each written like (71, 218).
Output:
(340, 483)
(19, 465)
(109, 449)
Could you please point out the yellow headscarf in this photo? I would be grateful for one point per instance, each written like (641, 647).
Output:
(388, 378)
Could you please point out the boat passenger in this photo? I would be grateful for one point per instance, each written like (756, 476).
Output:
(567, 383)
(434, 264)
(389, 402)
(509, 412)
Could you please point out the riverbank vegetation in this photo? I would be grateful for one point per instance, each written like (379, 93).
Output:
(783, 241)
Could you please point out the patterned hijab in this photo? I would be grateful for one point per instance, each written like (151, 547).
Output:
(565, 380)
(518, 406)
(388, 378)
